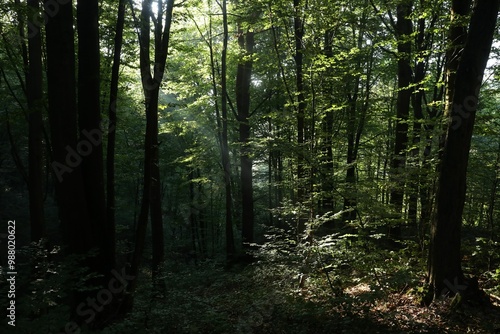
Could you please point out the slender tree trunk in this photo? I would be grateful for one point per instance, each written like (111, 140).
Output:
(298, 25)
(35, 145)
(151, 200)
(110, 160)
(192, 213)
(356, 116)
(350, 200)
(200, 208)
(418, 117)
(427, 175)
(243, 80)
(417, 174)
(226, 163)
(398, 162)
(155, 200)
(221, 125)
(326, 170)
(270, 170)
(445, 271)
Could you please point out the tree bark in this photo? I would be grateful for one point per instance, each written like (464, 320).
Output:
(457, 36)
(326, 170)
(350, 200)
(298, 25)
(398, 162)
(66, 163)
(356, 115)
(151, 200)
(89, 122)
(35, 145)
(243, 80)
(110, 154)
(445, 271)
(226, 163)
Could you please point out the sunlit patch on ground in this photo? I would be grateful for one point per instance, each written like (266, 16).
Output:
(358, 290)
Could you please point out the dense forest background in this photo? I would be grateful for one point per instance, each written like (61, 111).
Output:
(302, 166)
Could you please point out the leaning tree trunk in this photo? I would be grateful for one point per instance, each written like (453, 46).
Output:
(445, 271)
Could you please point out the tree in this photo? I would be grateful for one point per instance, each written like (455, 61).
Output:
(34, 93)
(151, 81)
(243, 81)
(298, 29)
(66, 165)
(89, 122)
(110, 155)
(404, 29)
(358, 100)
(445, 271)
(226, 162)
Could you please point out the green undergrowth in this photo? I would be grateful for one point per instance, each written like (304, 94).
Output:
(333, 284)
(336, 283)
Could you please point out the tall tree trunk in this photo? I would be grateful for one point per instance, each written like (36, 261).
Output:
(243, 80)
(155, 199)
(356, 114)
(403, 31)
(445, 271)
(35, 146)
(226, 163)
(66, 163)
(192, 212)
(151, 199)
(326, 170)
(418, 118)
(89, 121)
(110, 154)
(350, 200)
(221, 123)
(298, 25)
(427, 175)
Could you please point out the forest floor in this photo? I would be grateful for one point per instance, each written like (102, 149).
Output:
(401, 313)
(274, 299)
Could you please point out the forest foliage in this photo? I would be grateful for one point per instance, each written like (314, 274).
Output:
(251, 166)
